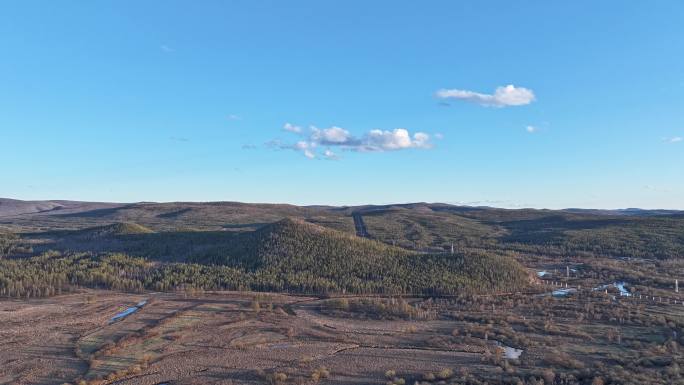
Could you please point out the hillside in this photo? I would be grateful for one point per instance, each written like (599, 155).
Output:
(292, 251)
(290, 255)
(116, 229)
(425, 227)
(7, 243)
(15, 207)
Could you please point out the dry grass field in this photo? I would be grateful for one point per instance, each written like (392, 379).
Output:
(258, 338)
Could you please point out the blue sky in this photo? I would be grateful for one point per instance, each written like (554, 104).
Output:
(393, 102)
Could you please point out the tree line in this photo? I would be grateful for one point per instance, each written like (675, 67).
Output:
(54, 273)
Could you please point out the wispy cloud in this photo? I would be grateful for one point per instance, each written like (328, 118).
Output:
(531, 129)
(318, 142)
(505, 96)
(673, 139)
(179, 139)
(234, 117)
(166, 48)
(302, 146)
(249, 147)
(329, 155)
(656, 188)
(292, 128)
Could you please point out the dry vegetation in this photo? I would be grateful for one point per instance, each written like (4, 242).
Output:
(360, 311)
(259, 338)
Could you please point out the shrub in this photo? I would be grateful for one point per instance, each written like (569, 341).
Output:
(256, 306)
(445, 374)
(429, 376)
(320, 373)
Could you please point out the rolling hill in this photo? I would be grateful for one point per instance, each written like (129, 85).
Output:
(425, 227)
(15, 207)
(115, 229)
(290, 255)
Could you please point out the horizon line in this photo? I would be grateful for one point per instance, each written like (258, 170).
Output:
(453, 203)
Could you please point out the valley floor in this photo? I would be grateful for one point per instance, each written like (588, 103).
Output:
(257, 338)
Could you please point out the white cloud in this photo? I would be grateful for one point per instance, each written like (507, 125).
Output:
(306, 148)
(333, 135)
(330, 155)
(166, 48)
(531, 129)
(234, 117)
(389, 140)
(338, 137)
(397, 139)
(302, 145)
(509, 95)
(421, 140)
(292, 128)
(674, 139)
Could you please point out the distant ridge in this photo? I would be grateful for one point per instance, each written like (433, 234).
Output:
(16, 207)
(627, 211)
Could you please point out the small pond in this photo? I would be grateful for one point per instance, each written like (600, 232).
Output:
(125, 313)
(619, 285)
(509, 352)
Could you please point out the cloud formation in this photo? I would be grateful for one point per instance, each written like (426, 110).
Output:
(397, 139)
(292, 128)
(531, 129)
(329, 155)
(318, 142)
(674, 139)
(330, 136)
(505, 96)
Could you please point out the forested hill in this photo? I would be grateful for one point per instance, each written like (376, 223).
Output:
(295, 248)
(302, 245)
(228, 245)
(290, 255)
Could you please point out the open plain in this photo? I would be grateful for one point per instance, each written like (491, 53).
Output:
(256, 338)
